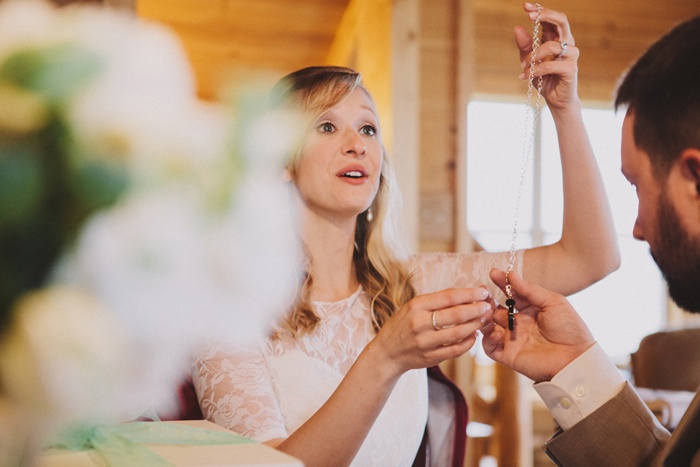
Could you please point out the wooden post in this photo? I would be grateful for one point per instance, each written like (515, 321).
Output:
(513, 419)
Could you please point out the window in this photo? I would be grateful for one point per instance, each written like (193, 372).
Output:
(626, 305)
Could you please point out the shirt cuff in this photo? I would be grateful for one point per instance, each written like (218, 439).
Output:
(582, 387)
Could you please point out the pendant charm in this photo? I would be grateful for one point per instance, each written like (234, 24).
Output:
(510, 303)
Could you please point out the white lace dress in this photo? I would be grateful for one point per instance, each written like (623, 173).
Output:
(270, 391)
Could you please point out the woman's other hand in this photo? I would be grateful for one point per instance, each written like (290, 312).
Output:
(433, 327)
(556, 59)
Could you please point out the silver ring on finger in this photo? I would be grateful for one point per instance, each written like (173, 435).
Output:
(433, 320)
(564, 46)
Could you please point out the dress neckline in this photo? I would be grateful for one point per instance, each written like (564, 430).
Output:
(349, 298)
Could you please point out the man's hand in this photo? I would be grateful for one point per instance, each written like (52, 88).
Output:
(548, 333)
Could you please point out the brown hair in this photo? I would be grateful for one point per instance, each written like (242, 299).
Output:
(662, 90)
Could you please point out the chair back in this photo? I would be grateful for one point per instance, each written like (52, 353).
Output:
(668, 359)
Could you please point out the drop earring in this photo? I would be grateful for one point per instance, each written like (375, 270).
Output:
(370, 216)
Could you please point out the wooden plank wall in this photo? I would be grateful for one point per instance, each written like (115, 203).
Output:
(610, 34)
(236, 42)
(363, 42)
(438, 113)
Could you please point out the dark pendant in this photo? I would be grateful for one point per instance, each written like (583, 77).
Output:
(510, 303)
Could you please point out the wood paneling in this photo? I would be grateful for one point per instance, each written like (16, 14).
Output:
(228, 41)
(437, 114)
(610, 34)
(363, 42)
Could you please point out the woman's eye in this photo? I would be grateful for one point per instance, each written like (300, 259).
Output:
(326, 127)
(369, 130)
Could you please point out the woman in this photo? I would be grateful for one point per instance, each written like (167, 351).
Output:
(343, 379)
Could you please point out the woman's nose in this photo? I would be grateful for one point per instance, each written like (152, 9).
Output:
(354, 145)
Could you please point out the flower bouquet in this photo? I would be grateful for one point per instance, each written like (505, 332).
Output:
(136, 222)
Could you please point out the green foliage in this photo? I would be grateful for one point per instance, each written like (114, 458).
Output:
(53, 72)
(48, 188)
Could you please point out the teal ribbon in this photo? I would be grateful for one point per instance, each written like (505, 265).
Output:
(123, 445)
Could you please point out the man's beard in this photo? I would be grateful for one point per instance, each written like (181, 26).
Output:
(678, 257)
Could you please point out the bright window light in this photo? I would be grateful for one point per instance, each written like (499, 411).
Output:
(622, 308)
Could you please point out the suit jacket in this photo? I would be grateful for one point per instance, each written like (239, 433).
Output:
(623, 432)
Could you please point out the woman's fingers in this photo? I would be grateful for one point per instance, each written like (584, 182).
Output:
(555, 32)
(556, 50)
(555, 25)
(523, 39)
(457, 325)
(448, 351)
(452, 316)
(440, 319)
(448, 298)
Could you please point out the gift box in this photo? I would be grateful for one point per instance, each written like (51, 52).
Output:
(234, 450)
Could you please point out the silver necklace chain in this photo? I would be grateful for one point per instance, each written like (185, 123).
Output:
(531, 114)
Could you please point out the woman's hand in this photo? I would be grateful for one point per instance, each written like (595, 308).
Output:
(548, 332)
(410, 340)
(555, 63)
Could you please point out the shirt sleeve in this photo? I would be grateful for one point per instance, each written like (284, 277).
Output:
(581, 387)
(235, 390)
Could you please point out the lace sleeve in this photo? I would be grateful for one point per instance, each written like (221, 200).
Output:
(438, 271)
(235, 391)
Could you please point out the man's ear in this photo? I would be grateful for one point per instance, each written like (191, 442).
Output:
(690, 167)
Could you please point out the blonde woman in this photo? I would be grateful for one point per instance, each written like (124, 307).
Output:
(343, 380)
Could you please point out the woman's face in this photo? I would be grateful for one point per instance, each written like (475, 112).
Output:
(341, 160)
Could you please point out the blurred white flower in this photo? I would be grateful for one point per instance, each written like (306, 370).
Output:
(29, 23)
(143, 106)
(64, 357)
(200, 247)
(179, 273)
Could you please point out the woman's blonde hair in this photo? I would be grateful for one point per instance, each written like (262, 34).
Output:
(379, 258)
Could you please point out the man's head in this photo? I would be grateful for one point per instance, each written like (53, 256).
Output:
(661, 155)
